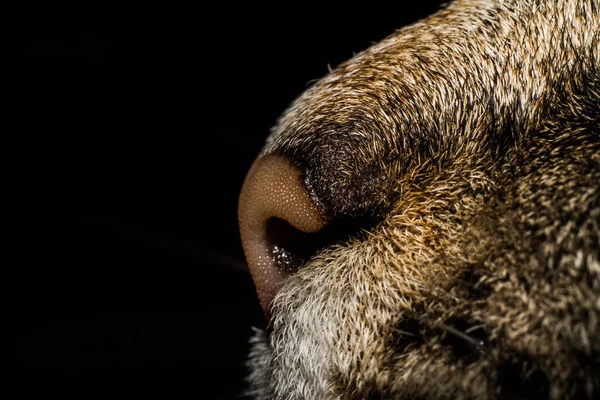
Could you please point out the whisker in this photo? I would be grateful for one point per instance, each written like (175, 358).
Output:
(473, 328)
(477, 344)
(403, 332)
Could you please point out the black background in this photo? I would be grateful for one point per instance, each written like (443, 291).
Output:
(136, 130)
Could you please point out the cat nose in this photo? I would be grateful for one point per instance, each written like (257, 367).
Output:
(277, 219)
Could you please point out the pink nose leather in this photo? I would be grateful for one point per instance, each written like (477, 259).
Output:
(273, 189)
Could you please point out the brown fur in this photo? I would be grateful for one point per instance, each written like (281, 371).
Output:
(470, 142)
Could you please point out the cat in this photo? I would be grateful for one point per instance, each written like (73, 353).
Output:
(424, 221)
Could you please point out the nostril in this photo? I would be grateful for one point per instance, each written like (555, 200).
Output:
(289, 246)
(276, 214)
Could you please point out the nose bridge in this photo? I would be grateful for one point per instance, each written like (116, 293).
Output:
(273, 189)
